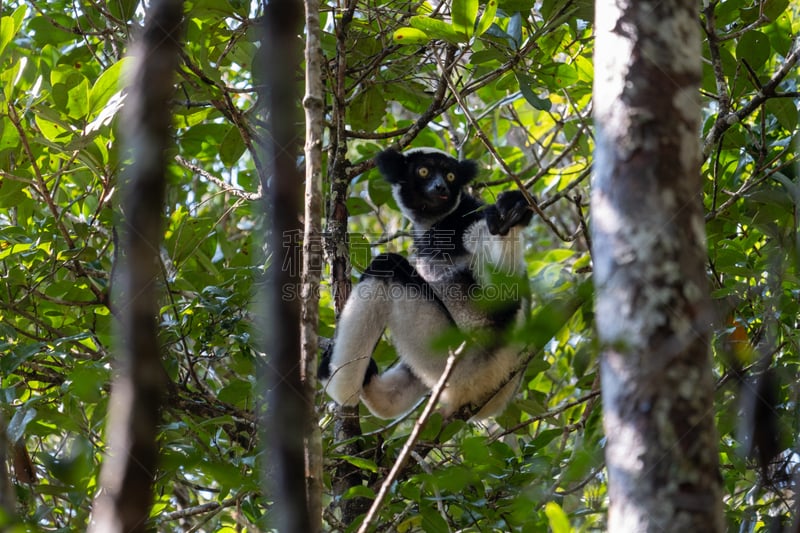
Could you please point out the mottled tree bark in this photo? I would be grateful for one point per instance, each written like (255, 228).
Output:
(289, 405)
(126, 479)
(314, 105)
(652, 303)
(347, 426)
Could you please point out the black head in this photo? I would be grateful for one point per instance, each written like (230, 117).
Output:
(427, 183)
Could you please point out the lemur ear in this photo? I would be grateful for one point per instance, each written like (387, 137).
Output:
(392, 164)
(467, 170)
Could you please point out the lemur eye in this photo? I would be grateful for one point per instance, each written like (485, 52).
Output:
(423, 172)
(451, 177)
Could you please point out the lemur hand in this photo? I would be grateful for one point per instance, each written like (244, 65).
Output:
(511, 209)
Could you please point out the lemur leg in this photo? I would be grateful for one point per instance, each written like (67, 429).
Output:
(391, 293)
(416, 318)
(394, 392)
(361, 324)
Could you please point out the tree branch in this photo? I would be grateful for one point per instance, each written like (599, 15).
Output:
(408, 447)
(767, 91)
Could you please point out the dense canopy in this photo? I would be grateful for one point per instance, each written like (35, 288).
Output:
(505, 82)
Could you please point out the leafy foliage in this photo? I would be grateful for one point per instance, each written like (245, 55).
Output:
(523, 73)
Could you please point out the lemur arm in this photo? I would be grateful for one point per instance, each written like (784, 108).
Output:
(494, 241)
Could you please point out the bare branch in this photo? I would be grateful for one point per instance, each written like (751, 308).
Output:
(408, 447)
(226, 187)
(767, 91)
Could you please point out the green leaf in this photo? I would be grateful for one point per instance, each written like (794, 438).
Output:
(359, 491)
(237, 392)
(10, 26)
(78, 105)
(511, 6)
(12, 193)
(6, 33)
(544, 438)
(486, 56)
(785, 112)
(357, 206)
(44, 32)
(16, 427)
(407, 35)
(232, 147)
(487, 17)
(557, 518)
(559, 75)
(436, 29)
(514, 29)
(86, 382)
(754, 48)
(107, 85)
(380, 191)
(366, 111)
(525, 83)
(122, 9)
(52, 131)
(432, 521)
(774, 8)
(360, 252)
(464, 13)
(361, 463)
(780, 35)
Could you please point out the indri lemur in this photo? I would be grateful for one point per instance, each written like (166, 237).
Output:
(463, 247)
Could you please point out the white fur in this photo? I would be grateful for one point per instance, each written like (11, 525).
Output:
(415, 325)
(360, 326)
(394, 392)
(503, 252)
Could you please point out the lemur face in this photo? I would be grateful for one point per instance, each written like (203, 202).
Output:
(427, 183)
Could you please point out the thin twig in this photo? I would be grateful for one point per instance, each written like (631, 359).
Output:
(226, 187)
(197, 510)
(412, 440)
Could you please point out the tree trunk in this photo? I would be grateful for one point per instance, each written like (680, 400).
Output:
(652, 304)
(314, 104)
(347, 427)
(126, 479)
(289, 404)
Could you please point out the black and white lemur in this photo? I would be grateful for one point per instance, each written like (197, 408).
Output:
(468, 273)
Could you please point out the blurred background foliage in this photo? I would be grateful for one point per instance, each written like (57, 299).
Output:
(523, 73)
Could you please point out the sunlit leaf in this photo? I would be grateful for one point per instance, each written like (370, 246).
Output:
(106, 85)
(559, 75)
(557, 518)
(78, 95)
(464, 13)
(487, 17)
(361, 463)
(437, 29)
(410, 36)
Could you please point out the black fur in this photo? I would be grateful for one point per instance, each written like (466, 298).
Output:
(396, 268)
